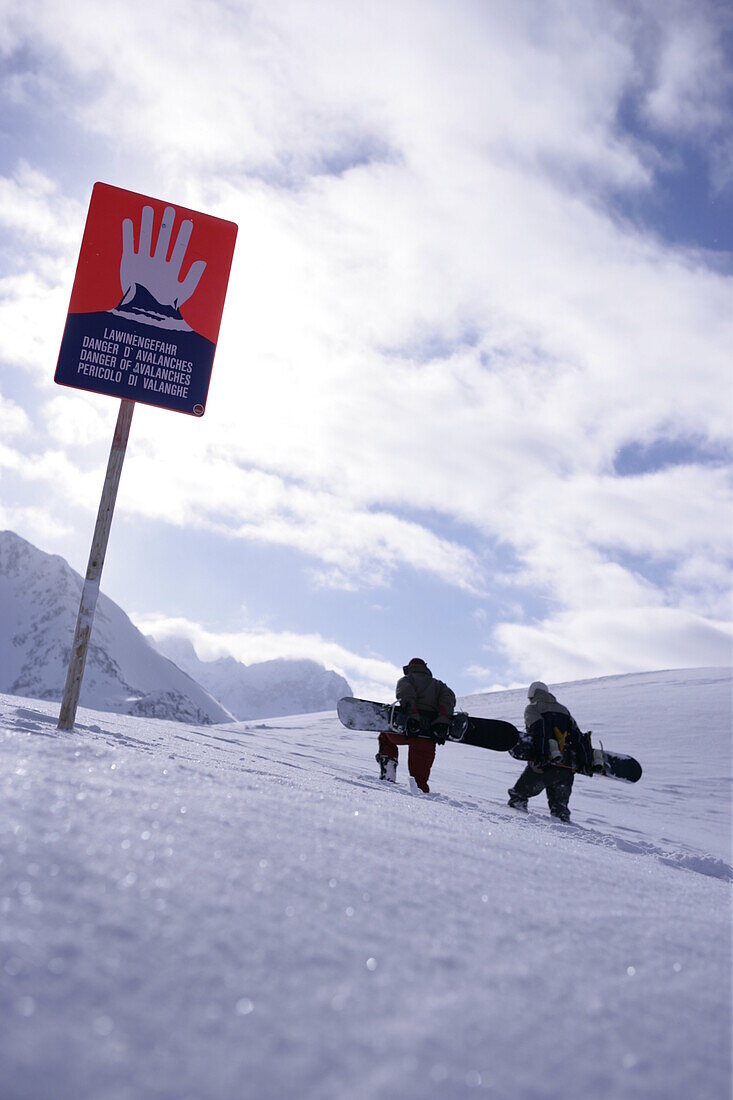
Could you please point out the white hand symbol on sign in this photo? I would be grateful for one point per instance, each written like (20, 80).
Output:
(153, 270)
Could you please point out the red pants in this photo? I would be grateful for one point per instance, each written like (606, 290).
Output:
(420, 755)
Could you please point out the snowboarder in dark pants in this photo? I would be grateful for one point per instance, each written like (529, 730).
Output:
(421, 695)
(548, 724)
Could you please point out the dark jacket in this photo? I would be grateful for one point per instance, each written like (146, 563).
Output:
(419, 688)
(544, 702)
(545, 718)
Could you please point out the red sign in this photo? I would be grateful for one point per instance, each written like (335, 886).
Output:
(147, 301)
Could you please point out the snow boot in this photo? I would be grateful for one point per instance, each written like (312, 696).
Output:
(561, 814)
(516, 801)
(416, 789)
(387, 767)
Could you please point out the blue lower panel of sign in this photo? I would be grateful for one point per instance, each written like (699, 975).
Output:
(110, 354)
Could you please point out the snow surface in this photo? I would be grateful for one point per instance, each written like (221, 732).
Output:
(206, 913)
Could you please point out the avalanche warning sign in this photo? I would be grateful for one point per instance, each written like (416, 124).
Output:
(147, 301)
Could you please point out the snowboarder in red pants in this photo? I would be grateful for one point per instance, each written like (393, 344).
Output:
(420, 695)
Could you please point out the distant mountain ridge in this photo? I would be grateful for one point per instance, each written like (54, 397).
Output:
(268, 689)
(39, 602)
(125, 673)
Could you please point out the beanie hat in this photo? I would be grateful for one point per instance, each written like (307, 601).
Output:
(422, 665)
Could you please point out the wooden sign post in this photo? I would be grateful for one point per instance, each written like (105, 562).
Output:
(90, 589)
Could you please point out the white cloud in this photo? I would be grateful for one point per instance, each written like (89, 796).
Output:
(75, 419)
(286, 87)
(486, 684)
(13, 418)
(586, 643)
(36, 524)
(432, 314)
(370, 677)
(702, 585)
(32, 208)
(32, 312)
(692, 79)
(203, 487)
(572, 536)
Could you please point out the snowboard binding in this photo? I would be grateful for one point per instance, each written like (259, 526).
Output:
(412, 725)
(484, 733)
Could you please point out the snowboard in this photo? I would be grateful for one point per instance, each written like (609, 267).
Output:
(486, 733)
(616, 765)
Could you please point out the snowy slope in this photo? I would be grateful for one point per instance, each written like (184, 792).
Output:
(244, 911)
(39, 602)
(685, 752)
(267, 689)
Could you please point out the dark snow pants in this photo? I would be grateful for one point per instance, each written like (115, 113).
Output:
(558, 782)
(420, 755)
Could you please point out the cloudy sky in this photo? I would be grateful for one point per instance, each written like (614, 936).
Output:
(472, 395)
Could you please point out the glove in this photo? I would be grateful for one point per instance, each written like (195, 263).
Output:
(439, 730)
